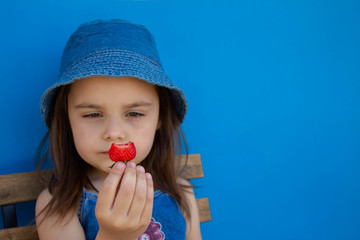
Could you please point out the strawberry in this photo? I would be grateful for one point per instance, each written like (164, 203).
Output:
(122, 152)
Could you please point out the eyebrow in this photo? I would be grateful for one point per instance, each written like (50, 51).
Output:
(138, 104)
(96, 106)
(87, 105)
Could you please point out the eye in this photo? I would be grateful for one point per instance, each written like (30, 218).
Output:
(92, 115)
(135, 114)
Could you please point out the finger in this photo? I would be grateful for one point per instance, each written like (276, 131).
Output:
(147, 211)
(109, 188)
(139, 198)
(125, 194)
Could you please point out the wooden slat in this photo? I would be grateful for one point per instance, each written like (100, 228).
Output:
(204, 209)
(29, 232)
(23, 187)
(193, 167)
(19, 233)
(20, 187)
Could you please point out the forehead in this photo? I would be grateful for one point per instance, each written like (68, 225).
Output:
(114, 87)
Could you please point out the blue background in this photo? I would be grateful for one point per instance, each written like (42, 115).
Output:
(273, 93)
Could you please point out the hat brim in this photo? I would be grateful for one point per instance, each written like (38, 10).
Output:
(114, 63)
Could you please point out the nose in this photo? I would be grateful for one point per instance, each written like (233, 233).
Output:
(114, 130)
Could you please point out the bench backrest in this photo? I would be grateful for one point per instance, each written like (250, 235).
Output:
(24, 187)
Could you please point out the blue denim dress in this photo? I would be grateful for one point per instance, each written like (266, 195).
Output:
(167, 221)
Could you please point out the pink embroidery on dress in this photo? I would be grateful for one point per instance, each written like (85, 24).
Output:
(153, 232)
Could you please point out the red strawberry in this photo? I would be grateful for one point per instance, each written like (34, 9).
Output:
(122, 152)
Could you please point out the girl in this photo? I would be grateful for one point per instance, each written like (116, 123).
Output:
(112, 89)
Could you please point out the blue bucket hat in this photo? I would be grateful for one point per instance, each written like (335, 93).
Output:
(113, 48)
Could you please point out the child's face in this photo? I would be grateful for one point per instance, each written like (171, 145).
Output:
(103, 110)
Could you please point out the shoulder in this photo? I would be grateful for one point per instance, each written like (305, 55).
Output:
(192, 222)
(43, 199)
(183, 181)
(51, 226)
(41, 203)
(187, 190)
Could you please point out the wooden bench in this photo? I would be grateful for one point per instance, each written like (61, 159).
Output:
(24, 187)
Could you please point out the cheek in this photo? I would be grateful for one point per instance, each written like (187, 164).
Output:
(144, 145)
(82, 139)
(80, 142)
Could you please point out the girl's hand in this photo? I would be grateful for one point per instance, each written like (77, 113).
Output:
(125, 202)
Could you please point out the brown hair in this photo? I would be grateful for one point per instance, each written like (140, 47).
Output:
(69, 172)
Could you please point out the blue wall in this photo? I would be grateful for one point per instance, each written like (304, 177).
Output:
(273, 92)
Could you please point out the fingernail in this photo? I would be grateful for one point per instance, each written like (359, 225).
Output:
(131, 164)
(120, 165)
(148, 176)
(140, 169)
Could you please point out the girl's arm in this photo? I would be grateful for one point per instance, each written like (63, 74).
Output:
(192, 225)
(50, 228)
(125, 203)
(123, 209)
